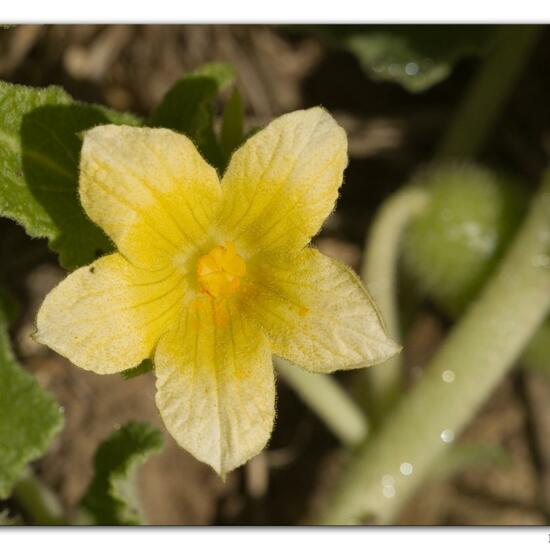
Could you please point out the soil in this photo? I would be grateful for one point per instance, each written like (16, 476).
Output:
(391, 134)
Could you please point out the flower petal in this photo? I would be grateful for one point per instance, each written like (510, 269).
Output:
(316, 312)
(283, 182)
(149, 189)
(108, 316)
(215, 386)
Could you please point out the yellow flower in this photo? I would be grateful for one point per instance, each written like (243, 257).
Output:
(210, 279)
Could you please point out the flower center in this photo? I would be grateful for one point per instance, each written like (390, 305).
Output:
(220, 271)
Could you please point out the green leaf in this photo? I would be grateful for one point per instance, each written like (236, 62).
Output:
(40, 141)
(29, 417)
(188, 108)
(110, 498)
(232, 133)
(414, 56)
(144, 367)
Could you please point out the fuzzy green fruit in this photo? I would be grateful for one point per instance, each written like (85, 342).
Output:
(451, 247)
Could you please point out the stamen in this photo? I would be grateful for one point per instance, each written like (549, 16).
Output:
(219, 272)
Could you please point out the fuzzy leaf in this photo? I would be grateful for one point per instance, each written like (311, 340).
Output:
(144, 367)
(188, 108)
(39, 156)
(414, 56)
(110, 498)
(29, 417)
(232, 133)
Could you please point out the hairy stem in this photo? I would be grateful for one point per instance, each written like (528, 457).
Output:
(379, 272)
(487, 95)
(328, 400)
(481, 348)
(467, 134)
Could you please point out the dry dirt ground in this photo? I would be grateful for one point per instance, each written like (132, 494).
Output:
(391, 133)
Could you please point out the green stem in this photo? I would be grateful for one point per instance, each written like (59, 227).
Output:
(490, 90)
(379, 272)
(328, 400)
(481, 348)
(38, 501)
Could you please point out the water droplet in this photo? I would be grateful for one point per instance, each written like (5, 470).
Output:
(387, 480)
(447, 436)
(542, 260)
(476, 237)
(388, 491)
(448, 376)
(406, 468)
(411, 68)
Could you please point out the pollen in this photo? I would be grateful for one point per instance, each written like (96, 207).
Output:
(219, 272)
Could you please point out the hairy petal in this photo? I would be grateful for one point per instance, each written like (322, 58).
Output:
(149, 189)
(283, 182)
(215, 386)
(109, 316)
(316, 312)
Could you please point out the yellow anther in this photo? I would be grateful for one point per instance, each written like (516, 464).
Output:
(220, 271)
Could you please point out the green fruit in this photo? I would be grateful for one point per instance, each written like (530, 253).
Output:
(451, 247)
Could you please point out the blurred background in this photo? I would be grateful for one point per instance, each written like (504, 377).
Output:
(393, 129)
